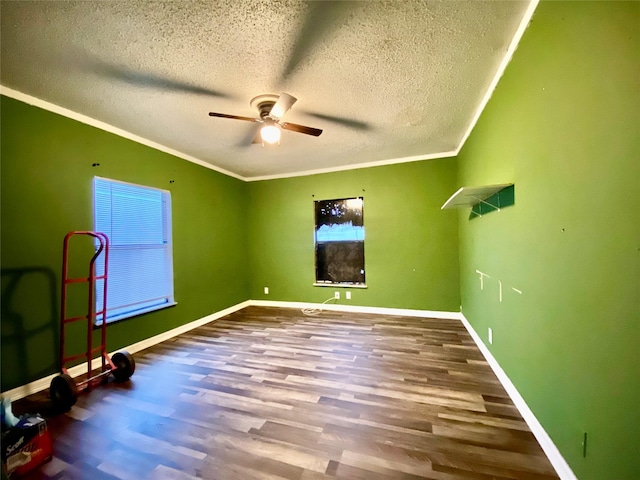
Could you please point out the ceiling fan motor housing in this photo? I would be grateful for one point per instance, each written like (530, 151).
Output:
(265, 108)
(263, 104)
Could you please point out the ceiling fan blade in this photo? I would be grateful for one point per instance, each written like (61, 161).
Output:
(347, 122)
(143, 79)
(251, 136)
(294, 127)
(321, 19)
(234, 117)
(284, 103)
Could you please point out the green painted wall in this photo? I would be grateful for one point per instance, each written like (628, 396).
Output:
(46, 191)
(563, 125)
(411, 253)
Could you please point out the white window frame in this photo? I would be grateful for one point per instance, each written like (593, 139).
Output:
(140, 275)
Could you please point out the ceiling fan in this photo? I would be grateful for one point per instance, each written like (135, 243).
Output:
(271, 109)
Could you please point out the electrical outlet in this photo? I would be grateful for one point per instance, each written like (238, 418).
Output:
(490, 336)
(347, 295)
(336, 295)
(266, 290)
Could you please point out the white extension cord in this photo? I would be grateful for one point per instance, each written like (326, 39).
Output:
(316, 310)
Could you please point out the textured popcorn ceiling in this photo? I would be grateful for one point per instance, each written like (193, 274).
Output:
(385, 80)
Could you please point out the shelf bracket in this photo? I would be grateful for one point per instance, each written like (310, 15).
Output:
(487, 203)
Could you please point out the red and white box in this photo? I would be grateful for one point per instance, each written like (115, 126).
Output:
(26, 446)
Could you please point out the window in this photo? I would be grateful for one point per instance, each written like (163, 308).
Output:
(339, 238)
(137, 221)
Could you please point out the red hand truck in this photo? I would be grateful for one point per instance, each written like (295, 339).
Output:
(64, 389)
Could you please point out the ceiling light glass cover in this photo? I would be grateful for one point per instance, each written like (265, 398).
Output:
(270, 133)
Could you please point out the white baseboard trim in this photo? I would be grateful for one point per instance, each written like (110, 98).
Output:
(553, 454)
(336, 307)
(43, 383)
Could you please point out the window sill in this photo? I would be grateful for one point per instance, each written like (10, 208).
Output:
(341, 285)
(136, 313)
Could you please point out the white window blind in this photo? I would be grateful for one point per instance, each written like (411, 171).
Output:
(137, 220)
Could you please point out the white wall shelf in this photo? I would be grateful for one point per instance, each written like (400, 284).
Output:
(472, 196)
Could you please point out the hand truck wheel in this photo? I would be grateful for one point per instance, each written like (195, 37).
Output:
(125, 366)
(63, 392)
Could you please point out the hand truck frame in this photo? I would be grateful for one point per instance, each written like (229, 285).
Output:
(64, 389)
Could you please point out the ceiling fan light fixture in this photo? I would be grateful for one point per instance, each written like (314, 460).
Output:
(271, 108)
(270, 133)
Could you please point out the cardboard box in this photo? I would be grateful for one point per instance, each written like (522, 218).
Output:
(26, 446)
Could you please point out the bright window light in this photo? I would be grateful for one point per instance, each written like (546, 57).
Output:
(354, 203)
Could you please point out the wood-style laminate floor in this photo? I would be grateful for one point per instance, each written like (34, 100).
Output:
(268, 393)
